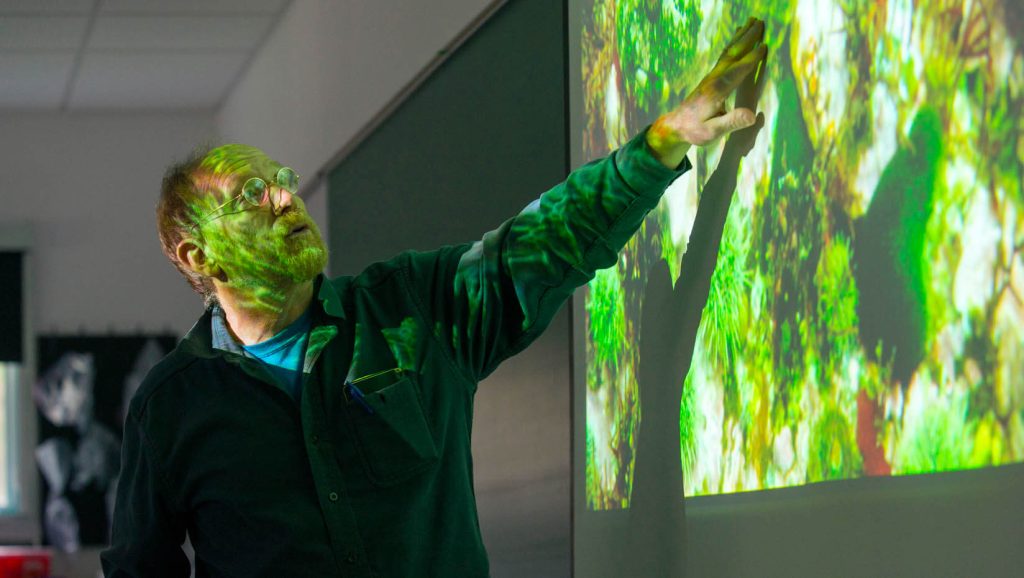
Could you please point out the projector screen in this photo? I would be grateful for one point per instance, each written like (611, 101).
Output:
(863, 313)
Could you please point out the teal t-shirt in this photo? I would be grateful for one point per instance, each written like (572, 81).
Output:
(284, 352)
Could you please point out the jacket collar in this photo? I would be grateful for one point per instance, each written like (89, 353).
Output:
(331, 295)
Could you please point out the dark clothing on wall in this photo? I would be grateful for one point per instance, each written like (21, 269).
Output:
(370, 475)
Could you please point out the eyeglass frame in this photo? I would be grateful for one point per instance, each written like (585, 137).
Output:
(241, 193)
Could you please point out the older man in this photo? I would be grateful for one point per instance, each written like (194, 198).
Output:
(321, 427)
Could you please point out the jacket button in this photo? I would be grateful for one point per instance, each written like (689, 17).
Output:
(333, 496)
(314, 438)
(351, 558)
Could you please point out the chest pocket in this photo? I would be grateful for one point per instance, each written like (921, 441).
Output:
(394, 441)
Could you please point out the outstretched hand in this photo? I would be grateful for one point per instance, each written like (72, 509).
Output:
(701, 118)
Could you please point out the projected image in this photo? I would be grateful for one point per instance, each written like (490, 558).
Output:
(865, 316)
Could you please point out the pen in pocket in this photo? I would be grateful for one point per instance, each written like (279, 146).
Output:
(354, 393)
(357, 395)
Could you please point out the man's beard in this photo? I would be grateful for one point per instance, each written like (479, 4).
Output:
(278, 261)
(306, 261)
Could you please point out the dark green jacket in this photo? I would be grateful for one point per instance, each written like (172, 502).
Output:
(380, 486)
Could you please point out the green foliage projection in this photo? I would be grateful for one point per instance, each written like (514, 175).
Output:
(866, 312)
(656, 39)
(890, 245)
(607, 314)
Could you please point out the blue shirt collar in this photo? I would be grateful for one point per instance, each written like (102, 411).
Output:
(221, 337)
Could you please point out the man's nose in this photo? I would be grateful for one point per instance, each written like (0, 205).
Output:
(282, 201)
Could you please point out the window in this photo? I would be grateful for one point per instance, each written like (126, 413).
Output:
(19, 515)
(12, 338)
(10, 378)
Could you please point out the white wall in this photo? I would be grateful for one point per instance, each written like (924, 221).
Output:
(88, 185)
(330, 67)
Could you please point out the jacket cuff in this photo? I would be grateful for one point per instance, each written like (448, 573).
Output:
(642, 171)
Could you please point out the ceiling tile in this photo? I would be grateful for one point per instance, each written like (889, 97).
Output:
(154, 80)
(50, 7)
(178, 32)
(192, 6)
(34, 80)
(41, 32)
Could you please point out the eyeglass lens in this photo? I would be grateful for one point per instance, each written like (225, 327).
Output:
(288, 180)
(254, 191)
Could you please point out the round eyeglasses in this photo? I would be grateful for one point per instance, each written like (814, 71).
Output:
(257, 193)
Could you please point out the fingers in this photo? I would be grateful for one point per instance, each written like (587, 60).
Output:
(742, 142)
(727, 80)
(739, 58)
(737, 36)
(748, 36)
(734, 120)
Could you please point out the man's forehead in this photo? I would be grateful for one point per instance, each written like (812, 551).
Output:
(239, 160)
(225, 168)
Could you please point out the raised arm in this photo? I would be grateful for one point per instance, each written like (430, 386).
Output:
(488, 300)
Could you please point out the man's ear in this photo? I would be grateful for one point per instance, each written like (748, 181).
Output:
(194, 257)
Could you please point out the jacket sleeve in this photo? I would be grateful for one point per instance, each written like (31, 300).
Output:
(488, 300)
(147, 533)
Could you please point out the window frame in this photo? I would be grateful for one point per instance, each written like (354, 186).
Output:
(22, 527)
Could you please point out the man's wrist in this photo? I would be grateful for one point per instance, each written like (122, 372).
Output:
(666, 145)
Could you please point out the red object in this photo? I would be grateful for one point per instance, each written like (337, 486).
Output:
(875, 463)
(18, 562)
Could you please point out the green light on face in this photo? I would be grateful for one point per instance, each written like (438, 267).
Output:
(261, 236)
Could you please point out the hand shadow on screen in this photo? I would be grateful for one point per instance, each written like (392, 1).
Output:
(656, 544)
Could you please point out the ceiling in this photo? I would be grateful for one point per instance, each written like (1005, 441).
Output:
(77, 55)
